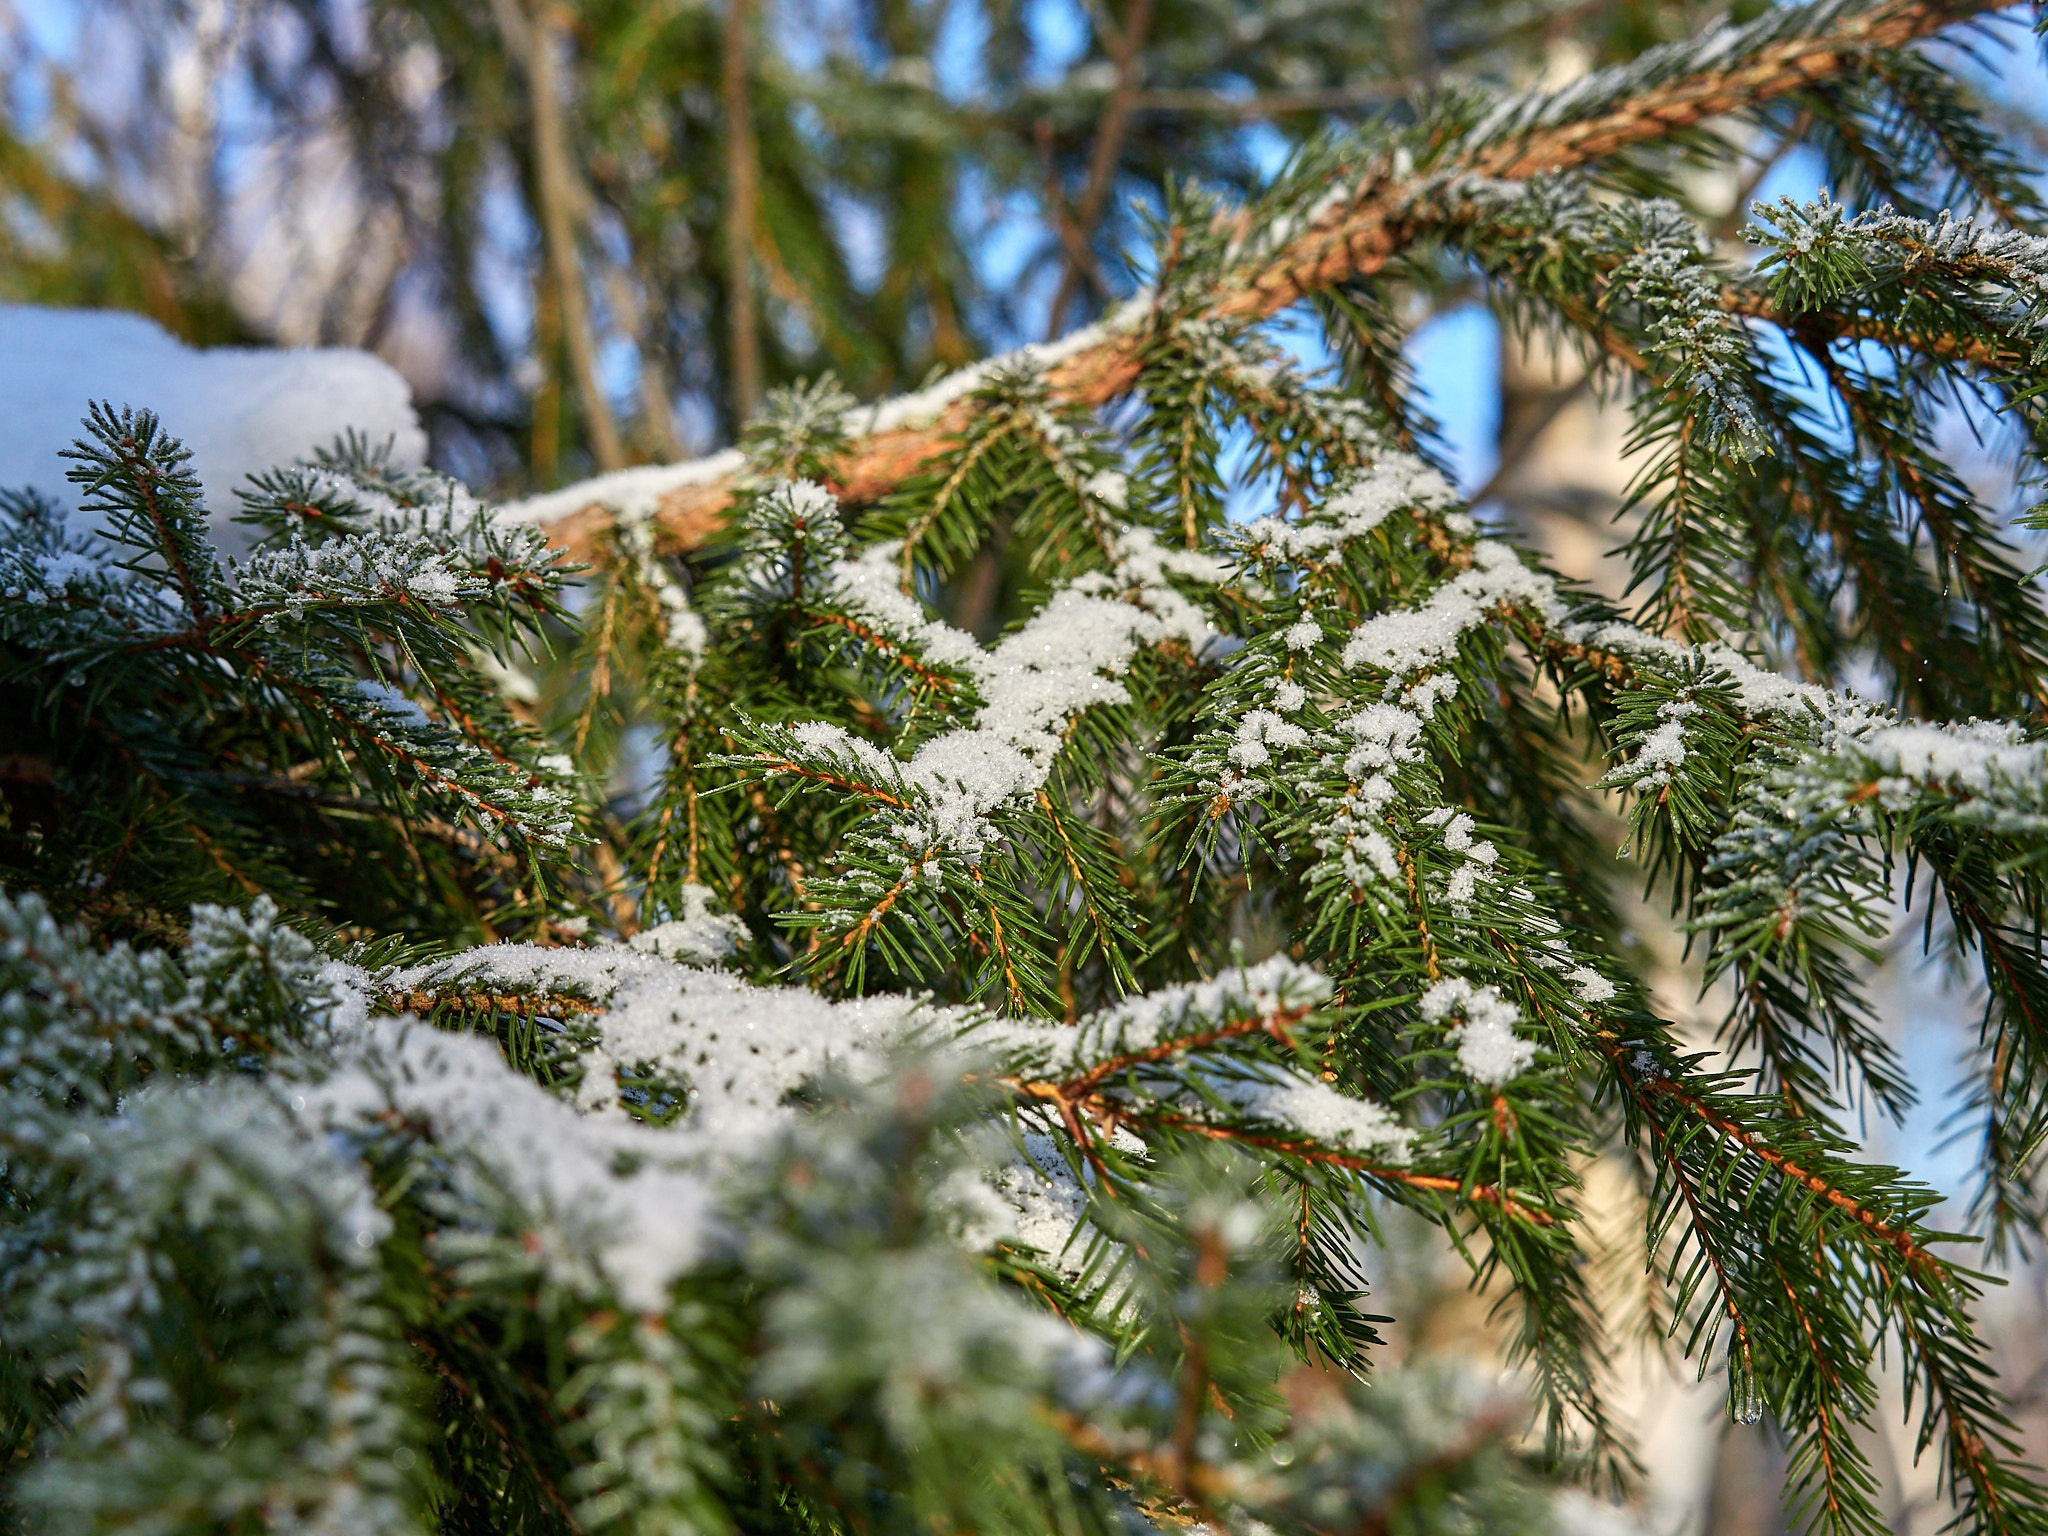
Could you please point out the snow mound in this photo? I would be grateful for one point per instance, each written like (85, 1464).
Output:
(239, 409)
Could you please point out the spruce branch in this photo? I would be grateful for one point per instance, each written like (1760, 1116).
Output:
(1358, 224)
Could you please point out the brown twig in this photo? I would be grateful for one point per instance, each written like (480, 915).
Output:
(783, 765)
(527, 1005)
(742, 197)
(1891, 1236)
(1127, 53)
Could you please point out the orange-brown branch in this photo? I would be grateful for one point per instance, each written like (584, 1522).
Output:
(1355, 238)
(1892, 1236)
(525, 1004)
(931, 677)
(783, 765)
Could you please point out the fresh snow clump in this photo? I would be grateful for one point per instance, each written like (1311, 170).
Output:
(1488, 1047)
(241, 410)
(700, 935)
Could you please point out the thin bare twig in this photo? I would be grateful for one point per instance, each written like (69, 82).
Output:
(1127, 53)
(535, 39)
(742, 197)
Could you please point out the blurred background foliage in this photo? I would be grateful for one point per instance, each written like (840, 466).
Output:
(593, 233)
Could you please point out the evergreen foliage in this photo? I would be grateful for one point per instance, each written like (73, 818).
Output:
(977, 1068)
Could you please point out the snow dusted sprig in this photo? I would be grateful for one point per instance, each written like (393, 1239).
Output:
(351, 642)
(1818, 251)
(351, 572)
(355, 491)
(1395, 482)
(611, 1205)
(937, 813)
(1357, 744)
(1404, 641)
(737, 1056)
(53, 559)
(1180, 1053)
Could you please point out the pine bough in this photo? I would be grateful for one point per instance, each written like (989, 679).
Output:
(957, 1096)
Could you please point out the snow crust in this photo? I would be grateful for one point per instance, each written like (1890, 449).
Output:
(633, 493)
(924, 406)
(241, 410)
(740, 1049)
(1260, 991)
(1976, 755)
(1320, 1113)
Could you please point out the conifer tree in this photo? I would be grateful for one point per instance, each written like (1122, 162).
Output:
(979, 1067)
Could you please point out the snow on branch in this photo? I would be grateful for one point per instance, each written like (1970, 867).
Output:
(1344, 226)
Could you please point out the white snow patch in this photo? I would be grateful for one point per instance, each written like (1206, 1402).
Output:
(1067, 657)
(1589, 985)
(645, 1228)
(241, 410)
(1408, 639)
(1320, 1113)
(700, 934)
(1257, 991)
(1662, 751)
(926, 405)
(740, 1049)
(638, 1201)
(1395, 482)
(1488, 1047)
(1974, 755)
(632, 493)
